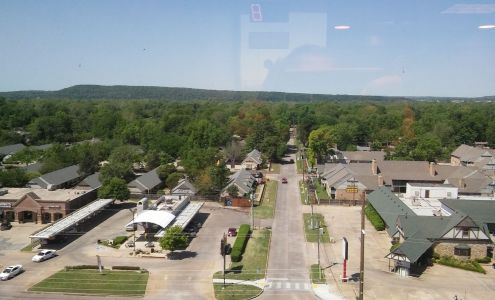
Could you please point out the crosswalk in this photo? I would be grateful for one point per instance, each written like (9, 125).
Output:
(288, 285)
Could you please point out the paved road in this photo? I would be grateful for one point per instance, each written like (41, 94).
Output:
(287, 275)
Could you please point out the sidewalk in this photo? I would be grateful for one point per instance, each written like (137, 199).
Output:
(260, 283)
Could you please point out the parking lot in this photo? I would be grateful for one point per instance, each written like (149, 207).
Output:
(437, 282)
(186, 276)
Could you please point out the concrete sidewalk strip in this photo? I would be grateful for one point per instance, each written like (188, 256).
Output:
(260, 283)
(322, 291)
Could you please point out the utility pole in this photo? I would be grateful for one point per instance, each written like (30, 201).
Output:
(361, 263)
(320, 229)
(252, 205)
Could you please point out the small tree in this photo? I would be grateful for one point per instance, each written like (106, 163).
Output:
(114, 188)
(173, 179)
(173, 239)
(233, 190)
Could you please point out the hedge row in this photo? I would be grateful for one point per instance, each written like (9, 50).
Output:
(130, 268)
(240, 243)
(83, 267)
(374, 217)
(468, 265)
(484, 260)
(119, 240)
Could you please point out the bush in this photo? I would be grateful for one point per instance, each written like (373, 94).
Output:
(484, 260)
(394, 246)
(240, 243)
(374, 217)
(130, 268)
(83, 267)
(468, 265)
(119, 240)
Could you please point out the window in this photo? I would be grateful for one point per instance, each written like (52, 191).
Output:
(462, 250)
(465, 233)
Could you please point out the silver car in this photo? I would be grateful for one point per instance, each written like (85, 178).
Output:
(44, 255)
(10, 272)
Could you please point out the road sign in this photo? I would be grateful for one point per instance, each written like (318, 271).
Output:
(351, 189)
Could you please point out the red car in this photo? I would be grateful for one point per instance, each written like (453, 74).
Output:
(284, 180)
(232, 232)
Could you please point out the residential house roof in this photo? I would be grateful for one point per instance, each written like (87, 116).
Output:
(244, 181)
(11, 149)
(255, 156)
(184, 184)
(470, 181)
(147, 181)
(57, 177)
(93, 181)
(336, 174)
(363, 156)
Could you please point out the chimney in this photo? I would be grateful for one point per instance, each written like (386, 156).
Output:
(380, 180)
(374, 167)
(432, 169)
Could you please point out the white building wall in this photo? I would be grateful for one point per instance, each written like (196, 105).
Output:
(436, 192)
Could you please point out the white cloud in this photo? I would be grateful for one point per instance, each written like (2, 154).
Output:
(487, 26)
(470, 9)
(342, 27)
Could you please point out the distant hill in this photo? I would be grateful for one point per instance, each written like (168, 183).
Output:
(120, 92)
(96, 92)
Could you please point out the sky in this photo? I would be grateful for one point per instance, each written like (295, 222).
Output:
(360, 47)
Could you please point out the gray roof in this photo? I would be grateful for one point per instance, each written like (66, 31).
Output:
(471, 154)
(470, 181)
(363, 156)
(184, 184)
(147, 181)
(255, 155)
(93, 181)
(11, 149)
(389, 207)
(57, 177)
(243, 179)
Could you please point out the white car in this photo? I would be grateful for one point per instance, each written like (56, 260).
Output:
(10, 272)
(44, 255)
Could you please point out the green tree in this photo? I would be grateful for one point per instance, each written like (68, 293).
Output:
(114, 188)
(219, 176)
(174, 239)
(173, 179)
(165, 170)
(13, 178)
(233, 190)
(320, 142)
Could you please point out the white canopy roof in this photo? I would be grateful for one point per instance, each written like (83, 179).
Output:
(158, 217)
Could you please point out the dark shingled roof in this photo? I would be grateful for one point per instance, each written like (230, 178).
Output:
(147, 181)
(11, 149)
(57, 177)
(93, 181)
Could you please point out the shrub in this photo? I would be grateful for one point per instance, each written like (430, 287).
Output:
(130, 268)
(240, 243)
(119, 240)
(394, 246)
(83, 267)
(484, 260)
(374, 217)
(468, 265)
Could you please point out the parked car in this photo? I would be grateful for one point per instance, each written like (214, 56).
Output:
(44, 255)
(5, 226)
(10, 272)
(284, 180)
(232, 232)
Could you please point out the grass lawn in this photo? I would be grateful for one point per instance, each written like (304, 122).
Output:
(299, 166)
(267, 207)
(274, 169)
(93, 282)
(235, 291)
(315, 275)
(253, 263)
(303, 192)
(312, 234)
(321, 192)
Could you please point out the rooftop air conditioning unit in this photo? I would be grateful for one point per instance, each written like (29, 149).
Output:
(50, 187)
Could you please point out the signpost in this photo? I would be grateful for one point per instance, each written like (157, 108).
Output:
(345, 256)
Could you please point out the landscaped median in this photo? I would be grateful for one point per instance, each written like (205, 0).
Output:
(317, 275)
(245, 278)
(266, 208)
(303, 191)
(88, 280)
(311, 230)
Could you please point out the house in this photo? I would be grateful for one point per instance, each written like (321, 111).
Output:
(40, 205)
(9, 150)
(243, 180)
(481, 158)
(91, 182)
(148, 183)
(362, 156)
(253, 160)
(449, 227)
(59, 179)
(184, 188)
